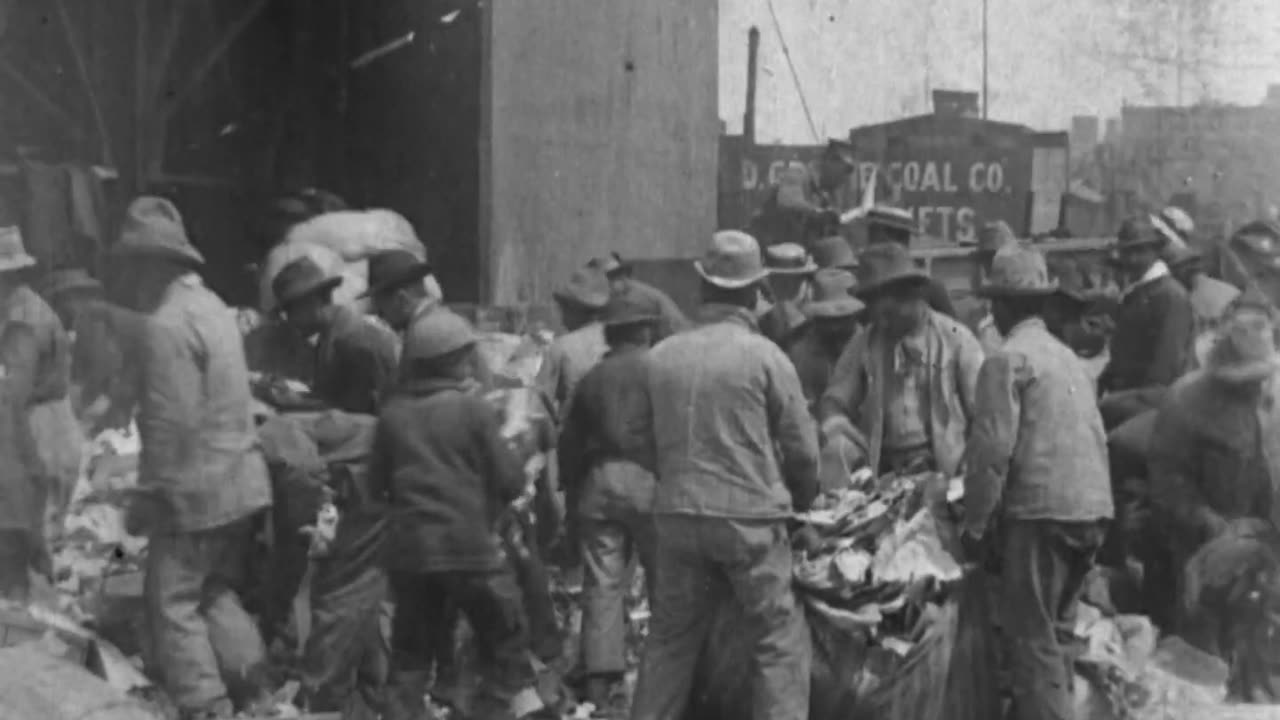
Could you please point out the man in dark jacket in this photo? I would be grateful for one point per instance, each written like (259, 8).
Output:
(448, 478)
(832, 316)
(572, 354)
(736, 453)
(802, 206)
(201, 477)
(1154, 333)
(894, 225)
(1214, 458)
(355, 357)
(787, 289)
(604, 447)
(670, 319)
(19, 463)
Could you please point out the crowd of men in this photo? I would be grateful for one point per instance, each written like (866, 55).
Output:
(684, 446)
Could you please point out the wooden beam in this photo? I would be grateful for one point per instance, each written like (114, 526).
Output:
(42, 99)
(216, 54)
(82, 67)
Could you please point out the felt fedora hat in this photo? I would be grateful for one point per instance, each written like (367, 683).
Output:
(732, 261)
(13, 254)
(886, 265)
(587, 287)
(1018, 271)
(626, 309)
(1245, 349)
(833, 295)
(841, 150)
(834, 251)
(69, 280)
(788, 259)
(393, 269)
(1138, 233)
(301, 279)
(153, 226)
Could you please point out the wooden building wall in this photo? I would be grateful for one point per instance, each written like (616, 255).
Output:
(600, 133)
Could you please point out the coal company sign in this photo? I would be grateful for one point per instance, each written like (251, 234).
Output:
(952, 173)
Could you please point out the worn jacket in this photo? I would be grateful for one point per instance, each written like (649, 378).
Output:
(732, 433)
(609, 422)
(1153, 339)
(660, 305)
(356, 361)
(1037, 450)
(447, 476)
(813, 362)
(858, 380)
(567, 360)
(1214, 456)
(200, 453)
(20, 464)
(53, 371)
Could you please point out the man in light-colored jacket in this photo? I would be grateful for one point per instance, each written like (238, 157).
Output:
(202, 478)
(901, 394)
(736, 453)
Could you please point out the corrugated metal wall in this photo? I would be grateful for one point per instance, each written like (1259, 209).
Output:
(601, 134)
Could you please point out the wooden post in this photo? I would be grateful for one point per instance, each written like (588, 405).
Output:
(749, 116)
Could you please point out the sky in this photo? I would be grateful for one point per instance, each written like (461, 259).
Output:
(875, 60)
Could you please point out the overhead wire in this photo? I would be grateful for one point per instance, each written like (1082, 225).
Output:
(795, 77)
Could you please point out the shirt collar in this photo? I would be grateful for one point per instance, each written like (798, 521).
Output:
(720, 312)
(1157, 270)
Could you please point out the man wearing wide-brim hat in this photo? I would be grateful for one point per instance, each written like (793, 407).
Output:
(356, 358)
(202, 479)
(608, 490)
(1037, 486)
(832, 315)
(787, 290)
(1210, 297)
(902, 392)
(1214, 464)
(1155, 327)
(622, 282)
(736, 454)
(887, 225)
(581, 300)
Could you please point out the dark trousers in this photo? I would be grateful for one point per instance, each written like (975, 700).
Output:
(491, 604)
(611, 549)
(702, 564)
(1044, 567)
(345, 662)
(15, 561)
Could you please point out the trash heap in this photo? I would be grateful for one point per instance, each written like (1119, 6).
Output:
(882, 560)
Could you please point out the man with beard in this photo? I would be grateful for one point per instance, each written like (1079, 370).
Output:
(891, 225)
(790, 270)
(901, 395)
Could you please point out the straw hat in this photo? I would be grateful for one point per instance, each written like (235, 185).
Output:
(1018, 272)
(732, 261)
(832, 295)
(788, 259)
(153, 226)
(886, 265)
(894, 218)
(13, 255)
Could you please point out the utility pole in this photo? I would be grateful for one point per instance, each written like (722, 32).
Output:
(749, 115)
(984, 59)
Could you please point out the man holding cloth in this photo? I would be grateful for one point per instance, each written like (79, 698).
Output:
(901, 395)
(1037, 457)
(736, 454)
